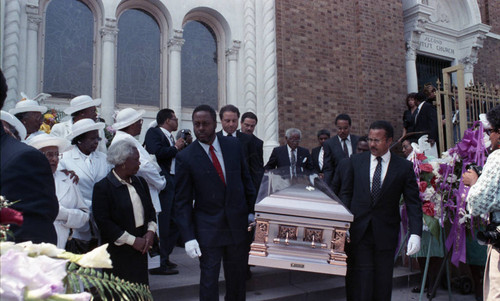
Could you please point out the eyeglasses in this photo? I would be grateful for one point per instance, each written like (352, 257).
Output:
(375, 141)
(51, 155)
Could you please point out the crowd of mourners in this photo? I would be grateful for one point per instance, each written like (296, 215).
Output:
(79, 185)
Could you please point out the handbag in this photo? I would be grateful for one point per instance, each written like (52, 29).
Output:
(79, 246)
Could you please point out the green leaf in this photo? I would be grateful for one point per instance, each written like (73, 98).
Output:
(433, 225)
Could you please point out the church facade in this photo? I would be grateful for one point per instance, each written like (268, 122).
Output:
(294, 63)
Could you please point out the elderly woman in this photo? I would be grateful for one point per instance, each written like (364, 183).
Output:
(29, 112)
(484, 198)
(124, 213)
(90, 166)
(73, 212)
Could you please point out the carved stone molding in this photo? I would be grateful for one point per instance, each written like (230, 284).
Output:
(109, 31)
(11, 37)
(250, 57)
(176, 42)
(411, 50)
(232, 53)
(34, 19)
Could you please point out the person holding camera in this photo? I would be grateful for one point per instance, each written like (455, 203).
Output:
(484, 198)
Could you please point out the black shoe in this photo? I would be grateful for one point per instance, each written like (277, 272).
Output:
(171, 265)
(162, 271)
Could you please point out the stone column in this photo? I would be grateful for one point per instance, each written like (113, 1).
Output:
(232, 82)
(108, 34)
(10, 48)
(250, 58)
(411, 67)
(174, 74)
(32, 51)
(468, 62)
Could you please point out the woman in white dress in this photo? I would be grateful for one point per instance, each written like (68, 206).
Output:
(89, 165)
(73, 212)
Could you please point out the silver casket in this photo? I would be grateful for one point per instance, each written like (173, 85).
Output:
(300, 224)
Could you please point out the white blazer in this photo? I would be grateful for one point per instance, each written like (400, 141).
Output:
(72, 160)
(73, 212)
(149, 169)
(63, 129)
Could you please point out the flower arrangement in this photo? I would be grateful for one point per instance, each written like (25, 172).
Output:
(43, 272)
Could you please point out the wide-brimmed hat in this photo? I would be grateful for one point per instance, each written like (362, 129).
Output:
(83, 126)
(12, 120)
(127, 117)
(81, 103)
(44, 140)
(27, 105)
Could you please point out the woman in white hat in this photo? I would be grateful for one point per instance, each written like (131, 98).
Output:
(73, 212)
(13, 126)
(80, 107)
(87, 162)
(29, 112)
(128, 124)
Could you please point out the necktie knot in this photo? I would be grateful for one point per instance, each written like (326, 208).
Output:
(379, 159)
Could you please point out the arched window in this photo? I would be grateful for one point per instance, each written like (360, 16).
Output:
(69, 49)
(199, 66)
(138, 59)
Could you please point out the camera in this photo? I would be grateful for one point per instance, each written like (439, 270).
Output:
(185, 133)
(491, 235)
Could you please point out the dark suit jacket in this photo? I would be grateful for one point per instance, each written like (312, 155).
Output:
(279, 158)
(259, 172)
(254, 161)
(427, 121)
(112, 207)
(158, 144)
(334, 153)
(26, 176)
(383, 214)
(220, 212)
(315, 159)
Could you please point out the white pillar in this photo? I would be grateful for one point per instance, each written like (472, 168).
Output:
(250, 58)
(468, 62)
(232, 82)
(411, 67)
(32, 51)
(174, 74)
(108, 82)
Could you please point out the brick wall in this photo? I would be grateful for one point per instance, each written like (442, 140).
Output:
(487, 70)
(337, 57)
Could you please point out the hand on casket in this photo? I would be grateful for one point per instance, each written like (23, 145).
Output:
(413, 244)
(192, 248)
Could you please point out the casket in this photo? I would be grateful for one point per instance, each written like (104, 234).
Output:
(300, 224)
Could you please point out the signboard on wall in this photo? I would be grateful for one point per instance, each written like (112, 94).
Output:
(436, 45)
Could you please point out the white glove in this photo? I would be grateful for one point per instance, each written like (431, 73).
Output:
(413, 244)
(251, 218)
(192, 248)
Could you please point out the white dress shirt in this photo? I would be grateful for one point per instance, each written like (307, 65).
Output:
(347, 143)
(170, 138)
(218, 154)
(373, 165)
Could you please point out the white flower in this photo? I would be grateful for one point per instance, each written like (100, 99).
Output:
(84, 296)
(452, 178)
(9, 245)
(40, 249)
(465, 216)
(428, 193)
(97, 258)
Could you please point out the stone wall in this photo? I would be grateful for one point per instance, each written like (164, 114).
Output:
(487, 70)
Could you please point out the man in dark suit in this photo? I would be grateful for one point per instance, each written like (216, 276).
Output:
(229, 116)
(338, 147)
(248, 123)
(212, 172)
(426, 119)
(160, 142)
(291, 154)
(318, 153)
(26, 177)
(372, 190)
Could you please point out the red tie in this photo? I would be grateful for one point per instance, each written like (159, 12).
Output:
(216, 163)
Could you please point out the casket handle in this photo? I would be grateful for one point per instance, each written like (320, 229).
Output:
(287, 242)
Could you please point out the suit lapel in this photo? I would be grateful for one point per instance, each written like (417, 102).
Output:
(365, 173)
(392, 173)
(206, 164)
(80, 163)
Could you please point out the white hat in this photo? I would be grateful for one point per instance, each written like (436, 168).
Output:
(27, 105)
(44, 140)
(485, 122)
(12, 120)
(127, 117)
(80, 103)
(83, 126)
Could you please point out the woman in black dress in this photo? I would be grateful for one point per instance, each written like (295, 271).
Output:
(409, 115)
(125, 214)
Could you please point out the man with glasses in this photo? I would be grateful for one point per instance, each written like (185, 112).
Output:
(340, 146)
(372, 190)
(160, 142)
(291, 154)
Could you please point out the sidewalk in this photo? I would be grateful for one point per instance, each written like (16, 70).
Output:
(278, 284)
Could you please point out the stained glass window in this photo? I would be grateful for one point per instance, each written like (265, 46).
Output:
(138, 59)
(68, 57)
(199, 66)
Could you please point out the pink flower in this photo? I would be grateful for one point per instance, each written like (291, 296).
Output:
(428, 208)
(10, 216)
(422, 186)
(426, 167)
(421, 156)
